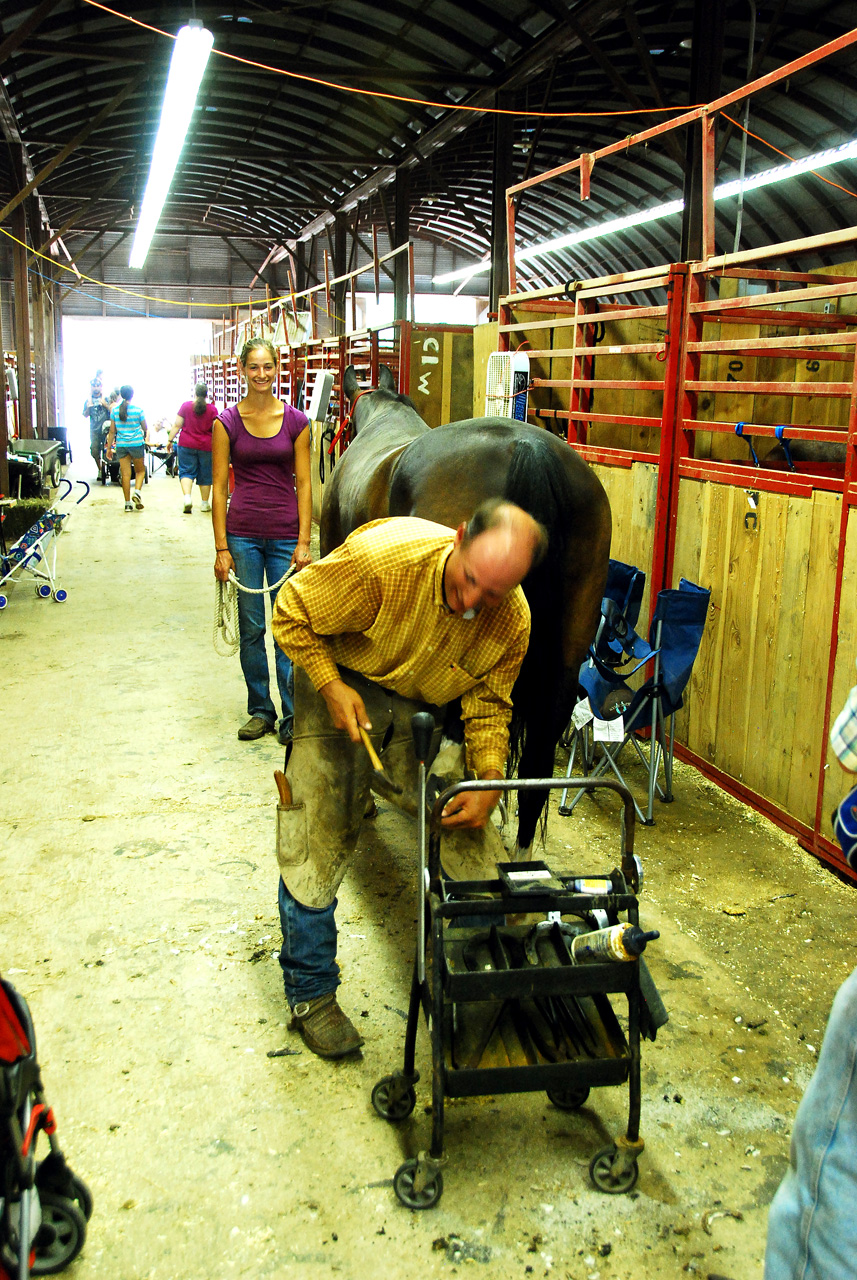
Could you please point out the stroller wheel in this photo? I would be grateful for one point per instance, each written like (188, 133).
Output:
(3, 602)
(54, 1177)
(60, 595)
(43, 590)
(61, 1235)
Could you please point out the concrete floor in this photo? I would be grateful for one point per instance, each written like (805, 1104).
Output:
(138, 918)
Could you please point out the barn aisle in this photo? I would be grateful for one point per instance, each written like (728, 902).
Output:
(138, 918)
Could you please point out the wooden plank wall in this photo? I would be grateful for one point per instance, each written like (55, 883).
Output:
(632, 495)
(755, 703)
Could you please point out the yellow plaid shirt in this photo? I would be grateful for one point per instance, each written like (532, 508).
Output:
(376, 605)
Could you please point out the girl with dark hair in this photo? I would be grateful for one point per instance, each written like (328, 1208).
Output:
(126, 438)
(267, 526)
(193, 425)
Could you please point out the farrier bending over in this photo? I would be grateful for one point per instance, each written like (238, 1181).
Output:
(405, 616)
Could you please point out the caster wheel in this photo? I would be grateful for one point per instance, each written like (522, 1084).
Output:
(60, 595)
(568, 1099)
(390, 1102)
(3, 602)
(403, 1185)
(56, 472)
(43, 590)
(61, 1235)
(601, 1173)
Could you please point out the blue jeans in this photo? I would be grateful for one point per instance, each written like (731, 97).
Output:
(812, 1225)
(257, 559)
(308, 957)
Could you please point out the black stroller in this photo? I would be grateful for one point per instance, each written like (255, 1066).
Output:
(44, 1207)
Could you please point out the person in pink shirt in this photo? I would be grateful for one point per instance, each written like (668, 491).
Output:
(193, 425)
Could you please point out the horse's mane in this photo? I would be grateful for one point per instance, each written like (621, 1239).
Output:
(538, 482)
(391, 399)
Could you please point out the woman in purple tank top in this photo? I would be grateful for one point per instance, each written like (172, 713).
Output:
(265, 528)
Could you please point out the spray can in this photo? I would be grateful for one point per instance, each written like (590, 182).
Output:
(594, 886)
(618, 942)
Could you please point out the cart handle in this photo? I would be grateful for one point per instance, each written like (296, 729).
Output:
(630, 864)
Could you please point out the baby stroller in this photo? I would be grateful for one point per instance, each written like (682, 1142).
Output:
(44, 1207)
(108, 468)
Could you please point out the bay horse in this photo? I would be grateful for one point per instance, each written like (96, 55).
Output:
(396, 465)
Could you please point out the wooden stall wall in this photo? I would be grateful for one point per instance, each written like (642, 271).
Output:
(837, 783)
(755, 707)
(441, 385)
(632, 492)
(484, 343)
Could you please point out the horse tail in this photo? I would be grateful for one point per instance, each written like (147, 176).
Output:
(538, 482)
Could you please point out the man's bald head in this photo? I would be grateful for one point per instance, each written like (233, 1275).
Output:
(491, 555)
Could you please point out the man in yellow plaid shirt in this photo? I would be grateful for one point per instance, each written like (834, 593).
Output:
(405, 616)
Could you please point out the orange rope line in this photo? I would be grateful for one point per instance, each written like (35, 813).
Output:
(786, 155)
(397, 97)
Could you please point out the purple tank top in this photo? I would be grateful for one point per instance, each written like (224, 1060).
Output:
(264, 503)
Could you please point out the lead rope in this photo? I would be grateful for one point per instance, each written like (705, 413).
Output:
(225, 634)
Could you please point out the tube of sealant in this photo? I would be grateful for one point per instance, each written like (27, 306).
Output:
(618, 942)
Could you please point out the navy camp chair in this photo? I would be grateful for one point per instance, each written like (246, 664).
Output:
(620, 609)
(674, 639)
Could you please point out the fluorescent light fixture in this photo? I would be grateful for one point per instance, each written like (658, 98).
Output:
(725, 190)
(187, 67)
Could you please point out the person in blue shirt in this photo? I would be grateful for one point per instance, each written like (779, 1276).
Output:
(126, 440)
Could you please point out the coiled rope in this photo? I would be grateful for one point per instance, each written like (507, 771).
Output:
(225, 635)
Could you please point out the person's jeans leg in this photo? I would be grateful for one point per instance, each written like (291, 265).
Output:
(812, 1228)
(249, 557)
(278, 557)
(308, 955)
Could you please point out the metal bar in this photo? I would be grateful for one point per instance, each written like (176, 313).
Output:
(534, 295)
(834, 435)
(796, 484)
(568, 322)
(708, 124)
(788, 346)
(788, 248)
(632, 348)
(666, 497)
(718, 104)
(824, 389)
(613, 457)
(837, 592)
(778, 299)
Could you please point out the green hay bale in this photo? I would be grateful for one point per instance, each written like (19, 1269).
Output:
(19, 517)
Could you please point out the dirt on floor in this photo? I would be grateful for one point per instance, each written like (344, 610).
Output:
(138, 918)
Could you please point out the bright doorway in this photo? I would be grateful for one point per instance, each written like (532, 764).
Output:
(153, 356)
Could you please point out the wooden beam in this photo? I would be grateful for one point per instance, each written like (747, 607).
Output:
(57, 235)
(66, 151)
(17, 37)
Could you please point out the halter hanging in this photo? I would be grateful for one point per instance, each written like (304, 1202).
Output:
(346, 421)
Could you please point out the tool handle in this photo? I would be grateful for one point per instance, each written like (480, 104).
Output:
(373, 754)
(284, 788)
(422, 728)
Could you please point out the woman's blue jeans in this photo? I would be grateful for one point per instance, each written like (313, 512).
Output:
(255, 560)
(812, 1224)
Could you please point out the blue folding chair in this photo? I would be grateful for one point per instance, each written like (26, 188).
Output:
(620, 609)
(674, 639)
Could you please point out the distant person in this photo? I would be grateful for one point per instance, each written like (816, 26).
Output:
(157, 437)
(812, 1227)
(267, 526)
(193, 426)
(126, 439)
(97, 409)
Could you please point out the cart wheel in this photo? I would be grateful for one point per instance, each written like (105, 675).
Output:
(56, 472)
(601, 1173)
(568, 1099)
(389, 1100)
(403, 1185)
(61, 1235)
(43, 590)
(3, 602)
(102, 475)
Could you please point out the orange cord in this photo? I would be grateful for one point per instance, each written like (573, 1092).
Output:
(397, 97)
(786, 155)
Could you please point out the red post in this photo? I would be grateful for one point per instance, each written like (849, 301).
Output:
(672, 445)
(708, 126)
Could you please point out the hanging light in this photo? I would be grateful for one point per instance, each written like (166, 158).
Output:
(187, 67)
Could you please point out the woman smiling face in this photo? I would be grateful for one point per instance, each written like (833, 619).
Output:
(259, 368)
